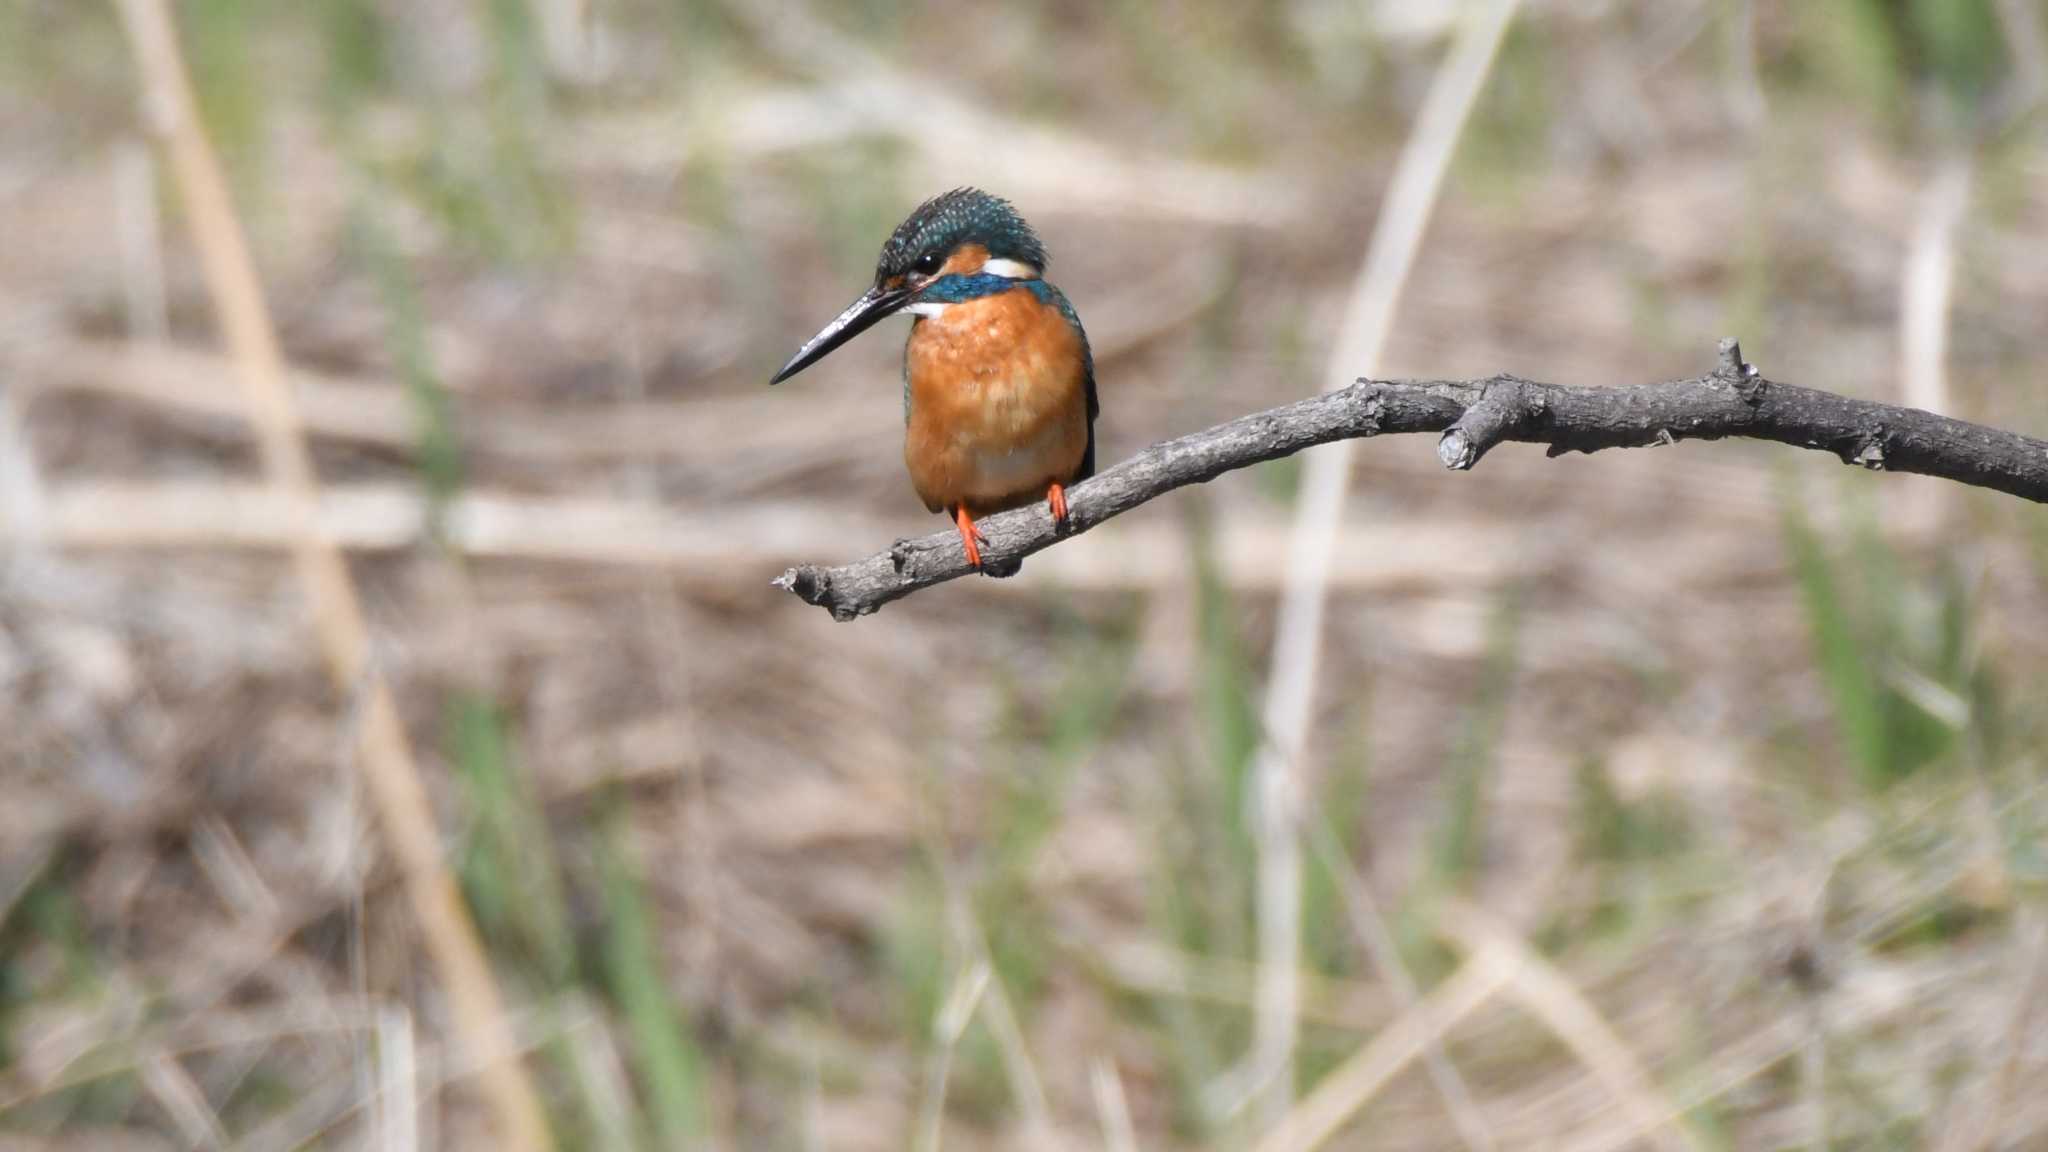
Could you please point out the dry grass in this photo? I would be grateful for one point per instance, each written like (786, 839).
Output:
(381, 747)
(1740, 762)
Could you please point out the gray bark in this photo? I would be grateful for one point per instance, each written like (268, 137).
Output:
(1473, 416)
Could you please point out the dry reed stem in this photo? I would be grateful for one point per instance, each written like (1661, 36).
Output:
(1297, 646)
(600, 1071)
(962, 999)
(1552, 998)
(1354, 1083)
(168, 1084)
(1118, 1134)
(1926, 293)
(1757, 1055)
(396, 1118)
(1371, 929)
(314, 1116)
(385, 756)
(1164, 972)
(1928, 286)
(1412, 552)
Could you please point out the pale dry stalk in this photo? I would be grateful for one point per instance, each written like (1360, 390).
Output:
(1349, 1087)
(383, 752)
(1297, 646)
(1551, 997)
(1926, 295)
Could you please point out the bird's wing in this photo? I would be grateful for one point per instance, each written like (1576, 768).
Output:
(1059, 300)
(1088, 457)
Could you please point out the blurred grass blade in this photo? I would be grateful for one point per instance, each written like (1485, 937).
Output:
(1551, 996)
(1290, 696)
(1341, 806)
(671, 1069)
(510, 873)
(1031, 799)
(1225, 856)
(949, 1024)
(1346, 1091)
(539, 216)
(1894, 651)
(1459, 842)
(1839, 651)
(1111, 1110)
(358, 56)
(598, 1074)
(385, 754)
(439, 448)
(227, 84)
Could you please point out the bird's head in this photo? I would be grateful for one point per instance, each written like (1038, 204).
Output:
(950, 240)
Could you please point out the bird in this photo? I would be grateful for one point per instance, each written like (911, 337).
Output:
(999, 400)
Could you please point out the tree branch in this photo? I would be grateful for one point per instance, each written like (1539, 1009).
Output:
(1473, 416)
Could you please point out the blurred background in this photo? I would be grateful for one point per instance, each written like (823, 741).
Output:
(1699, 787)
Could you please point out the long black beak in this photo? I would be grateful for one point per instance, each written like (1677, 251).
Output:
(877, 304)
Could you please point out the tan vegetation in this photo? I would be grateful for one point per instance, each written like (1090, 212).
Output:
(1689, 797)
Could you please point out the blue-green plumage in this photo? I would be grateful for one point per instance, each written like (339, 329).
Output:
(950, 219)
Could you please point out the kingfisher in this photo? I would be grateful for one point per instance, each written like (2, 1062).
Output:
(998, 383)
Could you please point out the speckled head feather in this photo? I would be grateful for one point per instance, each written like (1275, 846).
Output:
(951, 219)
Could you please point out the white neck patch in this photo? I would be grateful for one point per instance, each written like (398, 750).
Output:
(1009, 269)
(926, 308)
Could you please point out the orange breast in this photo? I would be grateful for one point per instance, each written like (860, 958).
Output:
(998, 406)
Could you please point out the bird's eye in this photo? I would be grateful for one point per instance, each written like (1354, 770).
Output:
(928, 263)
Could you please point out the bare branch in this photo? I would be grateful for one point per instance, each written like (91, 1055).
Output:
(1735, 400)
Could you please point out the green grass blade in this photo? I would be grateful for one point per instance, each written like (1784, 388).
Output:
(1460, 834)
(670, 1067)
(1839, 650)
(438, 446)
(509, 871)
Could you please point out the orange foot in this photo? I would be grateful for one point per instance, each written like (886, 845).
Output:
(1057, 497)
(970, 536)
